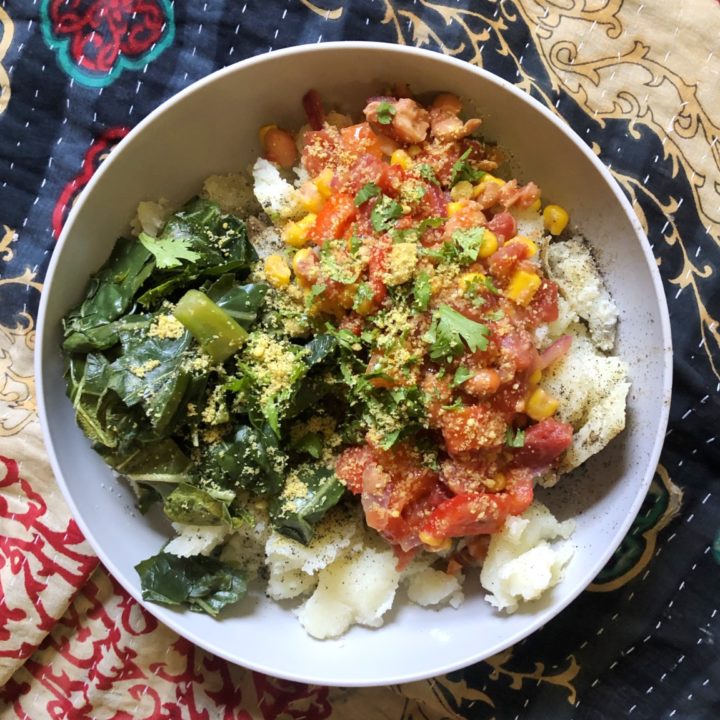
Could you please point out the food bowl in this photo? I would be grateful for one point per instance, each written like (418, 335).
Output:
(211, 127)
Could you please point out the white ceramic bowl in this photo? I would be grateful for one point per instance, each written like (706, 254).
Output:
(211, 127)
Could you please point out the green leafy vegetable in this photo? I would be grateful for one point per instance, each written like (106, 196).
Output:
(367, 191)
(449, 329)
(385, 112)
(204, 584)
(194, 506)
(385, 212)
(309, 493)
(242, 303)
(109, 296)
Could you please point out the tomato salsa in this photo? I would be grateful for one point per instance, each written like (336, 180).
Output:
(407, 249)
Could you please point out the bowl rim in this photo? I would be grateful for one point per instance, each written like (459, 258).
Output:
(173, 621)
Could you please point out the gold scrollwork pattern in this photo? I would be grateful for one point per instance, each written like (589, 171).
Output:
(6, 36)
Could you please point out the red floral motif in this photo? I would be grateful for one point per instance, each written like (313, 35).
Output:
(102, 31)
(94, 156)
(285, 700)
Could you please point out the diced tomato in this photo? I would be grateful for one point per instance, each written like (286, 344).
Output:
(503, 225)
(353, 322)
(479, 513)
(351, 464)
(367, 168)
(544, 305)
(517, 354)
(376, 270)
(320, 150)
(336, 214)
(468, 472)
(504, 261)
(472, 427)
(359, 139)
(438, 393)
(434, 202)
(544, 443)
(390, 179)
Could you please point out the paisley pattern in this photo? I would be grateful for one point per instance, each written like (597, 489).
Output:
(97, 39)
(636, 81)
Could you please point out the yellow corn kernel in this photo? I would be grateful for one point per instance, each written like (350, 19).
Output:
(541, 405)
(462, 190)
(295, 234)
(468, 279)
(535, 377)
(489, 244)
(300, 257)
(436, 543)
(414, 150)
(555, 219)
(309, 198)
(536, 206)
(401, 158)
(263, 131)
(455, 207)
(277, 271)
(497, 483)
(487, 177)
(322, 182)
(531, 246)
(523, 286)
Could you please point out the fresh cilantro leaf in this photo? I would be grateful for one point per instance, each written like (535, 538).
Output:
(422, 290)
(316, 291)
(447, 252)
(414, 234)
(345, 273)
(516, 439)
(386, 210)
(364, 295)
(490, 285)
(390, 439)
(469, 241)
(455, 406)
(355, 244)
(461, 375)
(426, 172)
(169, 252)
(496, 315)
(449, 329)
(385, 112)
(367, 191)
(462, 170)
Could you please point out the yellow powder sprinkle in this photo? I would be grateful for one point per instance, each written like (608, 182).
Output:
(142, 370)
(167, 326)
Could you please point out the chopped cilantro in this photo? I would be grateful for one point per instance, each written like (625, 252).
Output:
(367, 191)
(455, 406)
(462, 170)
(345, 273)
(422, 290)
(469, 241)
(449, 329)
(364, 295)
(385, 212)
(316, 291)
(385, 112)
(168, 252)
(496, 315)
(516, 439)
(461, 375)
(426, 172)
(390, 439)
(355, 244)
(414, 234)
